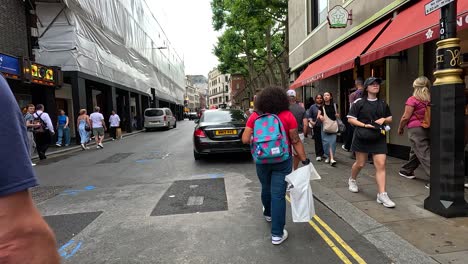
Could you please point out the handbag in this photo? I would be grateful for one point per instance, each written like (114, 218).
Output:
(328, 125)
(341, 125)
(372, 134)
(426, 119)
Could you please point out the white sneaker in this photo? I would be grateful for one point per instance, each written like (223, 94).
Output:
(318, 159)
(97, 147)
(100, 145)
(268, 218)
(58, 145)
(344, 148)
(33, 164)
(333, 163)
(327, 160)
(466, 185)
(83, 146)
(276, 240)
(353, 185)
(382, 198)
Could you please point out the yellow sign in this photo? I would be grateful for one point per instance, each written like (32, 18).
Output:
(251, 104)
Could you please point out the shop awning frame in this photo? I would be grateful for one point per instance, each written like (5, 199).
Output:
(341, 59)
(402, 33)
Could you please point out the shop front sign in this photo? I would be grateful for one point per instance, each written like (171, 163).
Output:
(338, 17)
(10, 66)
(41, 74)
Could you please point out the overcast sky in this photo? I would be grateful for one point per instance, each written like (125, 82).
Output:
(187, 24)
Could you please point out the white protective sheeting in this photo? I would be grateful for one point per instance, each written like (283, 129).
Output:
(116, 40)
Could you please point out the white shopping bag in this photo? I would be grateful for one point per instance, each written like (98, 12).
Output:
(300, 192)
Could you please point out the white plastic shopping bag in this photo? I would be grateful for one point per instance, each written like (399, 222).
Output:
(300, 192)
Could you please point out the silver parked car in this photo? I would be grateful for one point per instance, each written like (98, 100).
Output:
(159, 118)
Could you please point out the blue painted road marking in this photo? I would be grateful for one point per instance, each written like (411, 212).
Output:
(75, 192)
(211, 175)
(143, 161)
(62, 250)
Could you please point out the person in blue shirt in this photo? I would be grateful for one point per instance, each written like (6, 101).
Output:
(24, 235)
(63, 129)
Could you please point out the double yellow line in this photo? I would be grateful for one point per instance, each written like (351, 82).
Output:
(337, 238)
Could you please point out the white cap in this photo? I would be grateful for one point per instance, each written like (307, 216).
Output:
(291, 93)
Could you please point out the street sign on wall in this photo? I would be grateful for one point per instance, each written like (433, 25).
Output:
(10, 65)
(435, 5)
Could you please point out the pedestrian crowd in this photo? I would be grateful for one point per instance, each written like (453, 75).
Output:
(40, 129)
(277, 128)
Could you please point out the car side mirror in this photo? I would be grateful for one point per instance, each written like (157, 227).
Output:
(196, 121)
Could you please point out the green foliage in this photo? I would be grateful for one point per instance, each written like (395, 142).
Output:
(254, 34)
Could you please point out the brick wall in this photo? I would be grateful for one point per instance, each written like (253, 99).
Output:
(13, 29)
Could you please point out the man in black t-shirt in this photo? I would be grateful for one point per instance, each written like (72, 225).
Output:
(301, 118)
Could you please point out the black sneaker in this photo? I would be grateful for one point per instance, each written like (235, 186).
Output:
(407, 175)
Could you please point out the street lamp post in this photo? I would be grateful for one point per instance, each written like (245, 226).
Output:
(446, 196)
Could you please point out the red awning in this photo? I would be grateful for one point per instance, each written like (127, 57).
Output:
(410, 28)
(338, 60)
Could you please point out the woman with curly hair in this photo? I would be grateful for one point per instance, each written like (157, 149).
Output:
(273, 102)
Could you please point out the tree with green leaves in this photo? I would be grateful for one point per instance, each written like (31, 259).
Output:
(253, 41)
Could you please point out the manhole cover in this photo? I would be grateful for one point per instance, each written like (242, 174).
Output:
(67, 226)
(192, 196)
(42, 193)
(115, 158)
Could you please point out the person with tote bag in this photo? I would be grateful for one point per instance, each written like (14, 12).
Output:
(328, 116)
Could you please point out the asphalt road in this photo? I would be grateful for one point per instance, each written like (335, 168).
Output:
(144, 199)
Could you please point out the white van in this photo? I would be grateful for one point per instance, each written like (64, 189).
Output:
(159, 118)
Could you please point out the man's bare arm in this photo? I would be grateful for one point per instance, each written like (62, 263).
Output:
(24, 235)
(297, 143)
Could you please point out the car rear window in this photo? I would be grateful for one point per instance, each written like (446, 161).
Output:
(154, 112)
(224, 116)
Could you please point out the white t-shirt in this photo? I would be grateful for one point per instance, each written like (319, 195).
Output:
(114, 120)
(96, 119)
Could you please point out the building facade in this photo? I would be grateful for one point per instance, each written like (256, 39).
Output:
(393, 40)
(116, 57)
(192, 96)
(199, 82)
(30, 82)
(219, 88)
(237, 85)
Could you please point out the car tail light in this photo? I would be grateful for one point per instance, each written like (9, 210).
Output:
(165, 118)
(199, 133)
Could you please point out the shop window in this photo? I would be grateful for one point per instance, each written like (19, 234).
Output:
(316, 13)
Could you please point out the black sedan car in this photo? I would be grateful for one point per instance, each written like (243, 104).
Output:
(219, 131)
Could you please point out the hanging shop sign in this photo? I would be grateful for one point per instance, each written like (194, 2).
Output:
(10, 66)
(41, 74)
(338, 17)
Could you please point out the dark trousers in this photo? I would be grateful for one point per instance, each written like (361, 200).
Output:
(112, 132)
(42, 143)
(318, 141)
(349, 136)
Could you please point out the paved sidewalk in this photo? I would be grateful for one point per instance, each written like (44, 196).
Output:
(407, 233)
(54, 150)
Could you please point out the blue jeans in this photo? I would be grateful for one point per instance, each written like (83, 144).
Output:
(329, 143)
(63, 133)
(273, 192)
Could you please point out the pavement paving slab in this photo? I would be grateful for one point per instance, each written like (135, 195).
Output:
(432, 235)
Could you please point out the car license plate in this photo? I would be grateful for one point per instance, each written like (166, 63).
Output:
(225, 132)
(157, 122)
